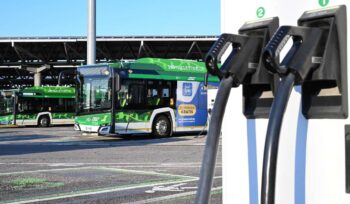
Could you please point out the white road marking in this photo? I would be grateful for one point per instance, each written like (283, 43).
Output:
(64, 165)
(116, 189)
(177, 195)
(100, 168)
(181, 178)
(172, 188)
(189, 188)
(146, 172)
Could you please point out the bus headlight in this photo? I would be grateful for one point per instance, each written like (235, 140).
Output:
(105, 72)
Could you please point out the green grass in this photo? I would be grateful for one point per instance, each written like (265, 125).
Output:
(34, 182)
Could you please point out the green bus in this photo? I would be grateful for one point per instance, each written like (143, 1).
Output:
(149, 95)
(38, 105)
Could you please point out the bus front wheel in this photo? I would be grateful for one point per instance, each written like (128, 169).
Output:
(44, 121)
(161, 126)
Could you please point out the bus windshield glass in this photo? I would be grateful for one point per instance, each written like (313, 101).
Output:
(6, 102)
(95, 89)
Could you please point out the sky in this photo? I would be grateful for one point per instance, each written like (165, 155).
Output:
(23, 18)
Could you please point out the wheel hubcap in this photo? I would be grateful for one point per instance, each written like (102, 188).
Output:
(162, 127)
(44, 122)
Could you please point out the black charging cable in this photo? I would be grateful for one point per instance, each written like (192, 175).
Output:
(295, 66)
(278, 108)
(213, 136)
(232, 73)
(212, 143)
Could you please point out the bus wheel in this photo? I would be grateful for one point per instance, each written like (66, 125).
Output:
(161, 126)
(44, 121)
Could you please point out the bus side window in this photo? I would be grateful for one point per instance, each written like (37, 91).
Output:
(153, 98)
(166, 97)
(122, 96)
(20, 107)
(165, 93)
(136, 94)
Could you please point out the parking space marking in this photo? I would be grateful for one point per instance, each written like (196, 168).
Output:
(174, 188)
(100, 191)
(101, 168)
(153, 173)
(169, 179)
(171, 188)
(173, 196)
(179, 179)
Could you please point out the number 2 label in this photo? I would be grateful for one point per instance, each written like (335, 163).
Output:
(260, 12)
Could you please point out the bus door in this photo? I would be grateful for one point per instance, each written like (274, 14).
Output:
(130, 116)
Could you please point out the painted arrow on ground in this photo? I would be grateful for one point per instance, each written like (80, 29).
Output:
(172, 188)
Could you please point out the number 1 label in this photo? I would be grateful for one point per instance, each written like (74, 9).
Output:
(323, 3)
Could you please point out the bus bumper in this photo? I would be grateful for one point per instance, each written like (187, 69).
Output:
(101, 130)
(88, 128)
(76, 127)
(104, 130)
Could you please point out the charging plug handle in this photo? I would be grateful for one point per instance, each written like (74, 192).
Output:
(237, 64)
(215, 53)
(298, 59)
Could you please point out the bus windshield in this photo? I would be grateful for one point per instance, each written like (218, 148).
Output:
(6, 102)
(95, 92)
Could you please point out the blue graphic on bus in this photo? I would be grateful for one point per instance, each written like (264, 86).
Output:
(191, 104)
(187, 89)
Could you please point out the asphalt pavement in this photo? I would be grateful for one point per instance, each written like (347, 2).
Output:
(60, 165)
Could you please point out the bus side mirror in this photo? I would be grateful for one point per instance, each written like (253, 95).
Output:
(117, 82)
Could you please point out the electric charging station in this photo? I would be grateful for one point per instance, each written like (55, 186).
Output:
(313, 148)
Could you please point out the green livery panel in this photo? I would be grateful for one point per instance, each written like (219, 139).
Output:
(48, 92)
(63, 115)
(6, 119)
(121, 117)
(26, 116)
(165, 69)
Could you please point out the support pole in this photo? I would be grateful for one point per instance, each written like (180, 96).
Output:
(37, 78)
(37, 73)
(91, 36)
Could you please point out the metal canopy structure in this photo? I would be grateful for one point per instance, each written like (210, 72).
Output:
(72, 50)
(61, 53)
